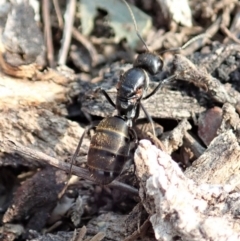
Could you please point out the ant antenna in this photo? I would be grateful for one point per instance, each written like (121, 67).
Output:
(135, 24)
(204, 35)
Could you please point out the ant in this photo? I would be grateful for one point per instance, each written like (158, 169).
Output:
(110, 145)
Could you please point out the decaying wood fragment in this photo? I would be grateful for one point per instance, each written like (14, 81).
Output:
(179, 207)
(32, 114)
(50, 93)
(219, 164)
(9, 146)
(34, 200)
(174, 139)
(140, 232)
(42, 130)
(164, 104)
(213, 60)
(136, 223)
(111, 224)
(230, 120)
(187, 71)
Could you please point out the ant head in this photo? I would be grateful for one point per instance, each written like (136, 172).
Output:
(132, 84)
(150, 62)
(131, 88)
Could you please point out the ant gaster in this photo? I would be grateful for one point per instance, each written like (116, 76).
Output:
(110, 145)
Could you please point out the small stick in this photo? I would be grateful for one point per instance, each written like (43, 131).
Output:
(10, 147)
(87, 44)
(58, 12)
(48, 33)
(67, 31)
(229, 34)
(81, 234)
(193, 145)
(98, 237)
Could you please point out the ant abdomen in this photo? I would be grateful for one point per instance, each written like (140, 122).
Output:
(109, 149)
(150, 62)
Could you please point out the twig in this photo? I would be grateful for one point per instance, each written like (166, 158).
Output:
(48, 33)
(210, 32)
(98, 237)
(10, 146)
(229, 34)
(67, 31)
(58, 12)
(87, 44)
(81, 234)
(193, 145)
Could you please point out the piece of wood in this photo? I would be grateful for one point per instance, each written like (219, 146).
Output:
(219, 164)
(11, 147)
(178, 206)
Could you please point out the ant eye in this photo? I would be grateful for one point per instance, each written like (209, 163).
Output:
(140, 87)
(139, 90)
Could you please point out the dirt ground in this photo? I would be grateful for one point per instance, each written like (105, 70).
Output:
(61, 61)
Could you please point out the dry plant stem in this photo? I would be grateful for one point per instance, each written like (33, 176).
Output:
(81, 234)
(229, 34)
(178, 206)
(234, 29)
(10, 147)
(48, 33)
(53, 227)
(98, 237)
(210, 32)
(87, 44)
(225, 23)
(67, 31)
(58, 12)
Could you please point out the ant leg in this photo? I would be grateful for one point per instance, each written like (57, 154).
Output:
(149, 118)
(73, 159)
(87, 129)
(158, 86)
(134, 137)
(106, 95)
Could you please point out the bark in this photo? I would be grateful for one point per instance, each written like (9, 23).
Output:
(180, 208)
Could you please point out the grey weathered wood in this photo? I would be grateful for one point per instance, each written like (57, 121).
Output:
(180, 207)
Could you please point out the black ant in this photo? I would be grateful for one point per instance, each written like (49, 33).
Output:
(110, 145)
